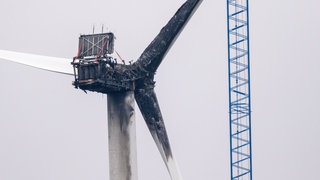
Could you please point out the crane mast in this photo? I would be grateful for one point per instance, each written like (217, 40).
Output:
(239, 90)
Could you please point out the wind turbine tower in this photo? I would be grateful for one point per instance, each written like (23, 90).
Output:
(239, 89)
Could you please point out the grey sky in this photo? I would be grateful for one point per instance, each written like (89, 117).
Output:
(49, 130)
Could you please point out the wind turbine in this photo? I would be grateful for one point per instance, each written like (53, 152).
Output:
(139, 78)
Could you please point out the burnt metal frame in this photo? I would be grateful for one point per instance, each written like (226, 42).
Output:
(85, 39)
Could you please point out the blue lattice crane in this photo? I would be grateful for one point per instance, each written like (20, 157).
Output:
(239, 90)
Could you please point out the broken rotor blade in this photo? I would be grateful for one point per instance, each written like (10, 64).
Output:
(149, 107)
(152, 56)
(54, 64)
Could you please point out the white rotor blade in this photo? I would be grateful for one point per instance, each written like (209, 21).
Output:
(54, 64)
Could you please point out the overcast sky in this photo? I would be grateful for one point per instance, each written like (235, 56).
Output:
(51, 131)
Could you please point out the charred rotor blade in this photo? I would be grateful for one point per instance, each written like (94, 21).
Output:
(158, 48)
(149, 107)
(54, 64)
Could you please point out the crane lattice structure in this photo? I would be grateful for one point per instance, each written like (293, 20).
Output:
(239, 90)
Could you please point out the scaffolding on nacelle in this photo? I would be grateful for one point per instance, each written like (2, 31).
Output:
(239, 90)
(94, 67)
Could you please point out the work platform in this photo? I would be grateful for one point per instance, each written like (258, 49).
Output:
(96, 70)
